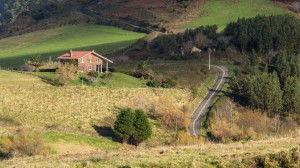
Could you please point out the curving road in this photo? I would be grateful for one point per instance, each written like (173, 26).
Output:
(203, 108)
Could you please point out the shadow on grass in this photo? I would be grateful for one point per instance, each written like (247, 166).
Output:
(50, 81)
(107, 132)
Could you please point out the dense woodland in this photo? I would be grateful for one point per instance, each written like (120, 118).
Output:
(274, 88)
(264, 34)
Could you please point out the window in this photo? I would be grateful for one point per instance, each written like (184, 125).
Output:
(90, 67)
(81, 68)
(90, 60)
(82, 60)
(98, 60)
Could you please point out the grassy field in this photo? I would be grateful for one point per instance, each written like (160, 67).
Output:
(222, 12)
(238, 154)
(31, 102)
(118, 80)
(54, 42)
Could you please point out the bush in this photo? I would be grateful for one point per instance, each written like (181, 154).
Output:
(107, 76)
(143, 70)
(256, 120)
(182, 138)
(22, 143)
(170, 115)
(132, 126)
(66, 72)
(154, 83)
(164, 83)
(92, 77)
(224, 132)
(142, 127)
(123, 127)
(168, 83)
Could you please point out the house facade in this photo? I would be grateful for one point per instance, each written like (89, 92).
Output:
(87, 61)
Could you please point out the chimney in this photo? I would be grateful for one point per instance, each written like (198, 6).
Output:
(71, 53)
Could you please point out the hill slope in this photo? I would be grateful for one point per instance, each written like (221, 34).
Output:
(21, 16)
(223, 12)
(53, 42)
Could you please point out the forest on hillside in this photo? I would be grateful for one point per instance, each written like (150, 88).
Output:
(269, 78)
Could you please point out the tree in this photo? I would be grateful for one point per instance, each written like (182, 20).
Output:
(263, 91)
(144, 70)
(36, 62)
(291, 95)
(66, 72)
(142, 128)
(123, 127)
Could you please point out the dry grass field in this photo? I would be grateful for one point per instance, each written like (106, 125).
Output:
(29, 101)
(238, 154)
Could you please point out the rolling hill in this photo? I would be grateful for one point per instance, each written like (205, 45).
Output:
(21, 16)
(53, 42)
(223, 12)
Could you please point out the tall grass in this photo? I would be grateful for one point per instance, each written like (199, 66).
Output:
(30, 101)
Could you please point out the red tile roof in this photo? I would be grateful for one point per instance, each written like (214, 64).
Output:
(79, 54)
(74, 54)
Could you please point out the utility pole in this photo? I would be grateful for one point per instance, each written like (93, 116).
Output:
(209, 51)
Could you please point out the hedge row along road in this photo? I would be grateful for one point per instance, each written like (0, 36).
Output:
(203, 108)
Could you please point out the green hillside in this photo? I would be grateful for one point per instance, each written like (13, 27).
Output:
(221, 12)
(54, 42)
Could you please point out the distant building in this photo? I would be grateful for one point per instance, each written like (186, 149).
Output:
(87, 61)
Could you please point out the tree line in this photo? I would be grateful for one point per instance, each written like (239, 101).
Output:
(262, 34)
(274, 89)
(180, 46)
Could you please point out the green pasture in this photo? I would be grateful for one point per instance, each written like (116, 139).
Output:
(54, 42)
(222, 12)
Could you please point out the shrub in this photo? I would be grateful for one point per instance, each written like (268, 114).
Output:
(182, 138)
(154, 83)
(92, 77)
(142, 127)
(168, 83)
(164, 83)
(107, 76)
(66, 72)
(23, 143)
(143, 71)
(132, 126)
(170, 115)
(123, 127)
(256, 120)
(224, 132)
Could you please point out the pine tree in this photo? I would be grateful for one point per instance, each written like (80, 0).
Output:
(142, 127)
(123, 127)
(291, 95)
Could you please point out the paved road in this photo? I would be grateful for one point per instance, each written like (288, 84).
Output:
(203, 108)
